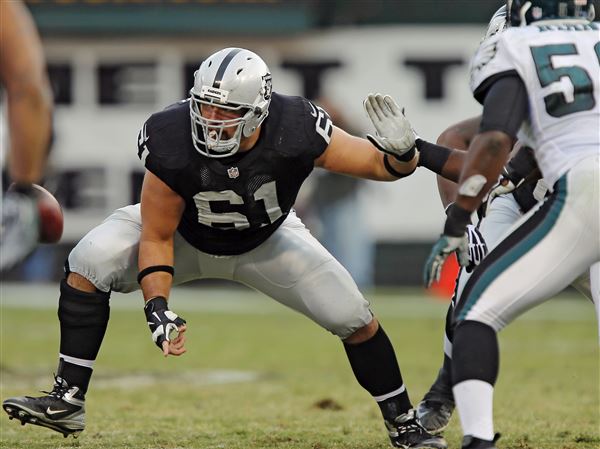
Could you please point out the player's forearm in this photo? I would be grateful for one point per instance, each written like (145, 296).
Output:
(393, 169)
(446, 162)
(156, 253)
(27, 105)
(355, 156)
(486, 157)
(458, 137)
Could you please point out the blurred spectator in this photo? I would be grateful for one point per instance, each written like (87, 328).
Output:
(337, 205)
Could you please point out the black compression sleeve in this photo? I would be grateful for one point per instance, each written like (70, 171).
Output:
(505, 107)
(432, 156)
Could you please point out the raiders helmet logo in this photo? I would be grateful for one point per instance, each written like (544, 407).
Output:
(267, 85)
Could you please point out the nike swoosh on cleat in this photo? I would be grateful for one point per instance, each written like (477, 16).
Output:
(54, 412)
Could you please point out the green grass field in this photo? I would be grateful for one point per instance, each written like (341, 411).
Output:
(257, 375)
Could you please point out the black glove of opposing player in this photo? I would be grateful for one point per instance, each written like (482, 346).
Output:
(477, 247)
(163, 323)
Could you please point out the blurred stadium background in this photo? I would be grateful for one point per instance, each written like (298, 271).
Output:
(114, 62)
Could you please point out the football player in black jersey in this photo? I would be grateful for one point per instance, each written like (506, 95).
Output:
(223, 169)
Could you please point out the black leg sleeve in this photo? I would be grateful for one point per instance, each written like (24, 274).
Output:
(83, 320)
(475, 353)
(376, 369)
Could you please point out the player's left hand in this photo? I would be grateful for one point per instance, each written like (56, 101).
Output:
(453, 239)
(395, 135)
(445, 246)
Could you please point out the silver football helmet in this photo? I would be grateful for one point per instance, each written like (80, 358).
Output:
(235, 80)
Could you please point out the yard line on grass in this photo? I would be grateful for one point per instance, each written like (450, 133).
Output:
(144, 379)
(406, 303)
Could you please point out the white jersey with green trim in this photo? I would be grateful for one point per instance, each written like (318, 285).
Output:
(559, 63)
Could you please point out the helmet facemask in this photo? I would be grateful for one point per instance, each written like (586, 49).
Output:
(245, 89)
(525, 12)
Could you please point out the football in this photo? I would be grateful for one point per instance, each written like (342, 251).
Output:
(51, 215)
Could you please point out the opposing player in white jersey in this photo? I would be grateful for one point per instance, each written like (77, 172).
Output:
(509, 205)
(519, 189)
(542, 76)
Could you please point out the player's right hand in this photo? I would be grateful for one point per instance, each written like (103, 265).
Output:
(167, 327)
(176, 346)
(395, 135)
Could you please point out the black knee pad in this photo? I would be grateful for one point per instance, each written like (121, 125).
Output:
(82, 309)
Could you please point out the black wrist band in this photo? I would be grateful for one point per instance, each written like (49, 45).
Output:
(156, 303)
(448, 207)
(146, 271)
(408, 156)
(393, 171)
(432, 156)
(456, 221)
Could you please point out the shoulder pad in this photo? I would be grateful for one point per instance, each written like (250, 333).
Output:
(491, 61)
(166, 137)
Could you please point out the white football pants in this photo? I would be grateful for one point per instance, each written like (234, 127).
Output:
(546, 250)
(291, 266)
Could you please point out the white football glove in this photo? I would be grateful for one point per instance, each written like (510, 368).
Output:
(19, 231)
(445, 246)
(454, 239)
(395, 135)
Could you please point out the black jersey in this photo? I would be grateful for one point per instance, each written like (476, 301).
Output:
(234, 204)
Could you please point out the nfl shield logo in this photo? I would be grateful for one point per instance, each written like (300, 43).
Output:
(233, 172)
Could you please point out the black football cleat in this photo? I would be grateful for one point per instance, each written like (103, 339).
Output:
(62, 409)
(407, 433)
(470, 442)
(435, 410)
